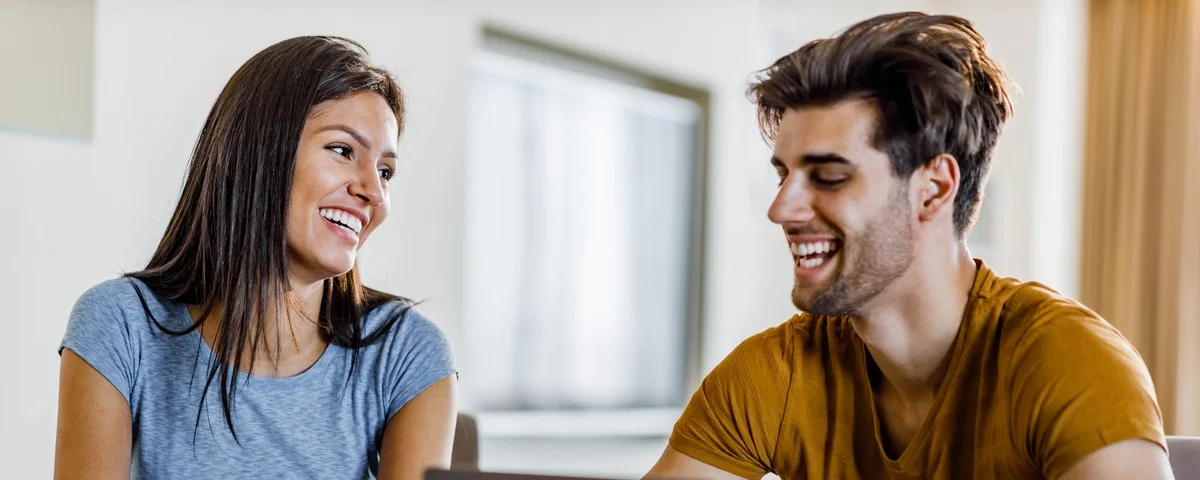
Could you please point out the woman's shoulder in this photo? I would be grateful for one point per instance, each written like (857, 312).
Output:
(107, 328)
(124, 300)
(400, 318)
(113, 295)
(412, 354)
(402, 333)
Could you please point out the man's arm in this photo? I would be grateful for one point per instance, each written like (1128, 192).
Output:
(1128, 459)
(1083, 401)
(674, 464)
(730, 426)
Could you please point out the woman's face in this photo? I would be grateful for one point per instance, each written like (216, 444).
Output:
(339, 194)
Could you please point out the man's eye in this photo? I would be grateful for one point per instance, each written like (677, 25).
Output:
(829, 181)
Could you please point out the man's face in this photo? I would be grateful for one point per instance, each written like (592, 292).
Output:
(847, 218)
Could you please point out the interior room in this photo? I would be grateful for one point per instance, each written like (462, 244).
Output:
(581, 193)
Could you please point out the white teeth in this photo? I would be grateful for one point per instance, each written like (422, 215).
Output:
(812, 248)
(812, 262)
(346, 219)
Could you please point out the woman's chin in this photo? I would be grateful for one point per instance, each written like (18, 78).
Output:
(322, 269)
(339, 269)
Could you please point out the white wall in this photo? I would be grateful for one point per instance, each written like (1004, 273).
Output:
(85, 212)
(52, 247)
(46, 83)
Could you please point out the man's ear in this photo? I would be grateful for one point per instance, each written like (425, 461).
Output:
(937, 185)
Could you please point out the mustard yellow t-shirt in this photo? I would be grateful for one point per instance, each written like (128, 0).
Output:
(1035, 383)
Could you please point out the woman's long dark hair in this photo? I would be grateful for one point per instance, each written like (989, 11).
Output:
(225, 244)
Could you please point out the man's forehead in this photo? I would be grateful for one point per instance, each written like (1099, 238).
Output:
(842, 129)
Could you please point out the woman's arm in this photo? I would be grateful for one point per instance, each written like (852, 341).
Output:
(421, 435)
(95, 429)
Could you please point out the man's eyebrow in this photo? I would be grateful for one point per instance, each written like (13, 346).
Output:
(816, 159)
(825, 159)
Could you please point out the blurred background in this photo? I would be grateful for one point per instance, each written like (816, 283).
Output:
(582, 195)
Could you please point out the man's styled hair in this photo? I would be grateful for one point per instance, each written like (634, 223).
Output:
(935, 87)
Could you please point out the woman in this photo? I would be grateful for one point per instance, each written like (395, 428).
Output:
(248, 347)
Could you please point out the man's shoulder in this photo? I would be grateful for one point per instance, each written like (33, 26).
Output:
(803, 341)
(1054, 354)
(1024, 307)
(773, 344)
(1039, 324)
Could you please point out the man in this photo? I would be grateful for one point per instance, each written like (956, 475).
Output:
(911, 359)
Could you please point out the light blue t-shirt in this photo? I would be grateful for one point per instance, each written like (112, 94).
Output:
(318, 424)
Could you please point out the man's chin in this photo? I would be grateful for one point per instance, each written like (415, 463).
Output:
(802, 297)
(815, 301)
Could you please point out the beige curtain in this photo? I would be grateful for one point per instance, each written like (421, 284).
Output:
(1141, 225)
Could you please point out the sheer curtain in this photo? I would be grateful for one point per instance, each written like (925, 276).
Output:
(579, 210)
(1141, 267)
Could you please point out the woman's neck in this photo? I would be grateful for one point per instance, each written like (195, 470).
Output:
(291, 338)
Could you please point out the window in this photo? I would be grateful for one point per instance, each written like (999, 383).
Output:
(583, 234)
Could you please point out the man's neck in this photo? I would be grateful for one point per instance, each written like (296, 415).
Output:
(909, 330)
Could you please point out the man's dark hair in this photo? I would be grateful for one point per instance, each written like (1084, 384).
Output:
(935, 87)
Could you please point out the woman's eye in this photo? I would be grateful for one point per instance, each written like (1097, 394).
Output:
(341, 150)
(386, 173)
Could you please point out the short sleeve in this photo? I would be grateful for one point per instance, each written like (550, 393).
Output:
(99, 333)
(419, 356)
(1080, 386)
(733, 419)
